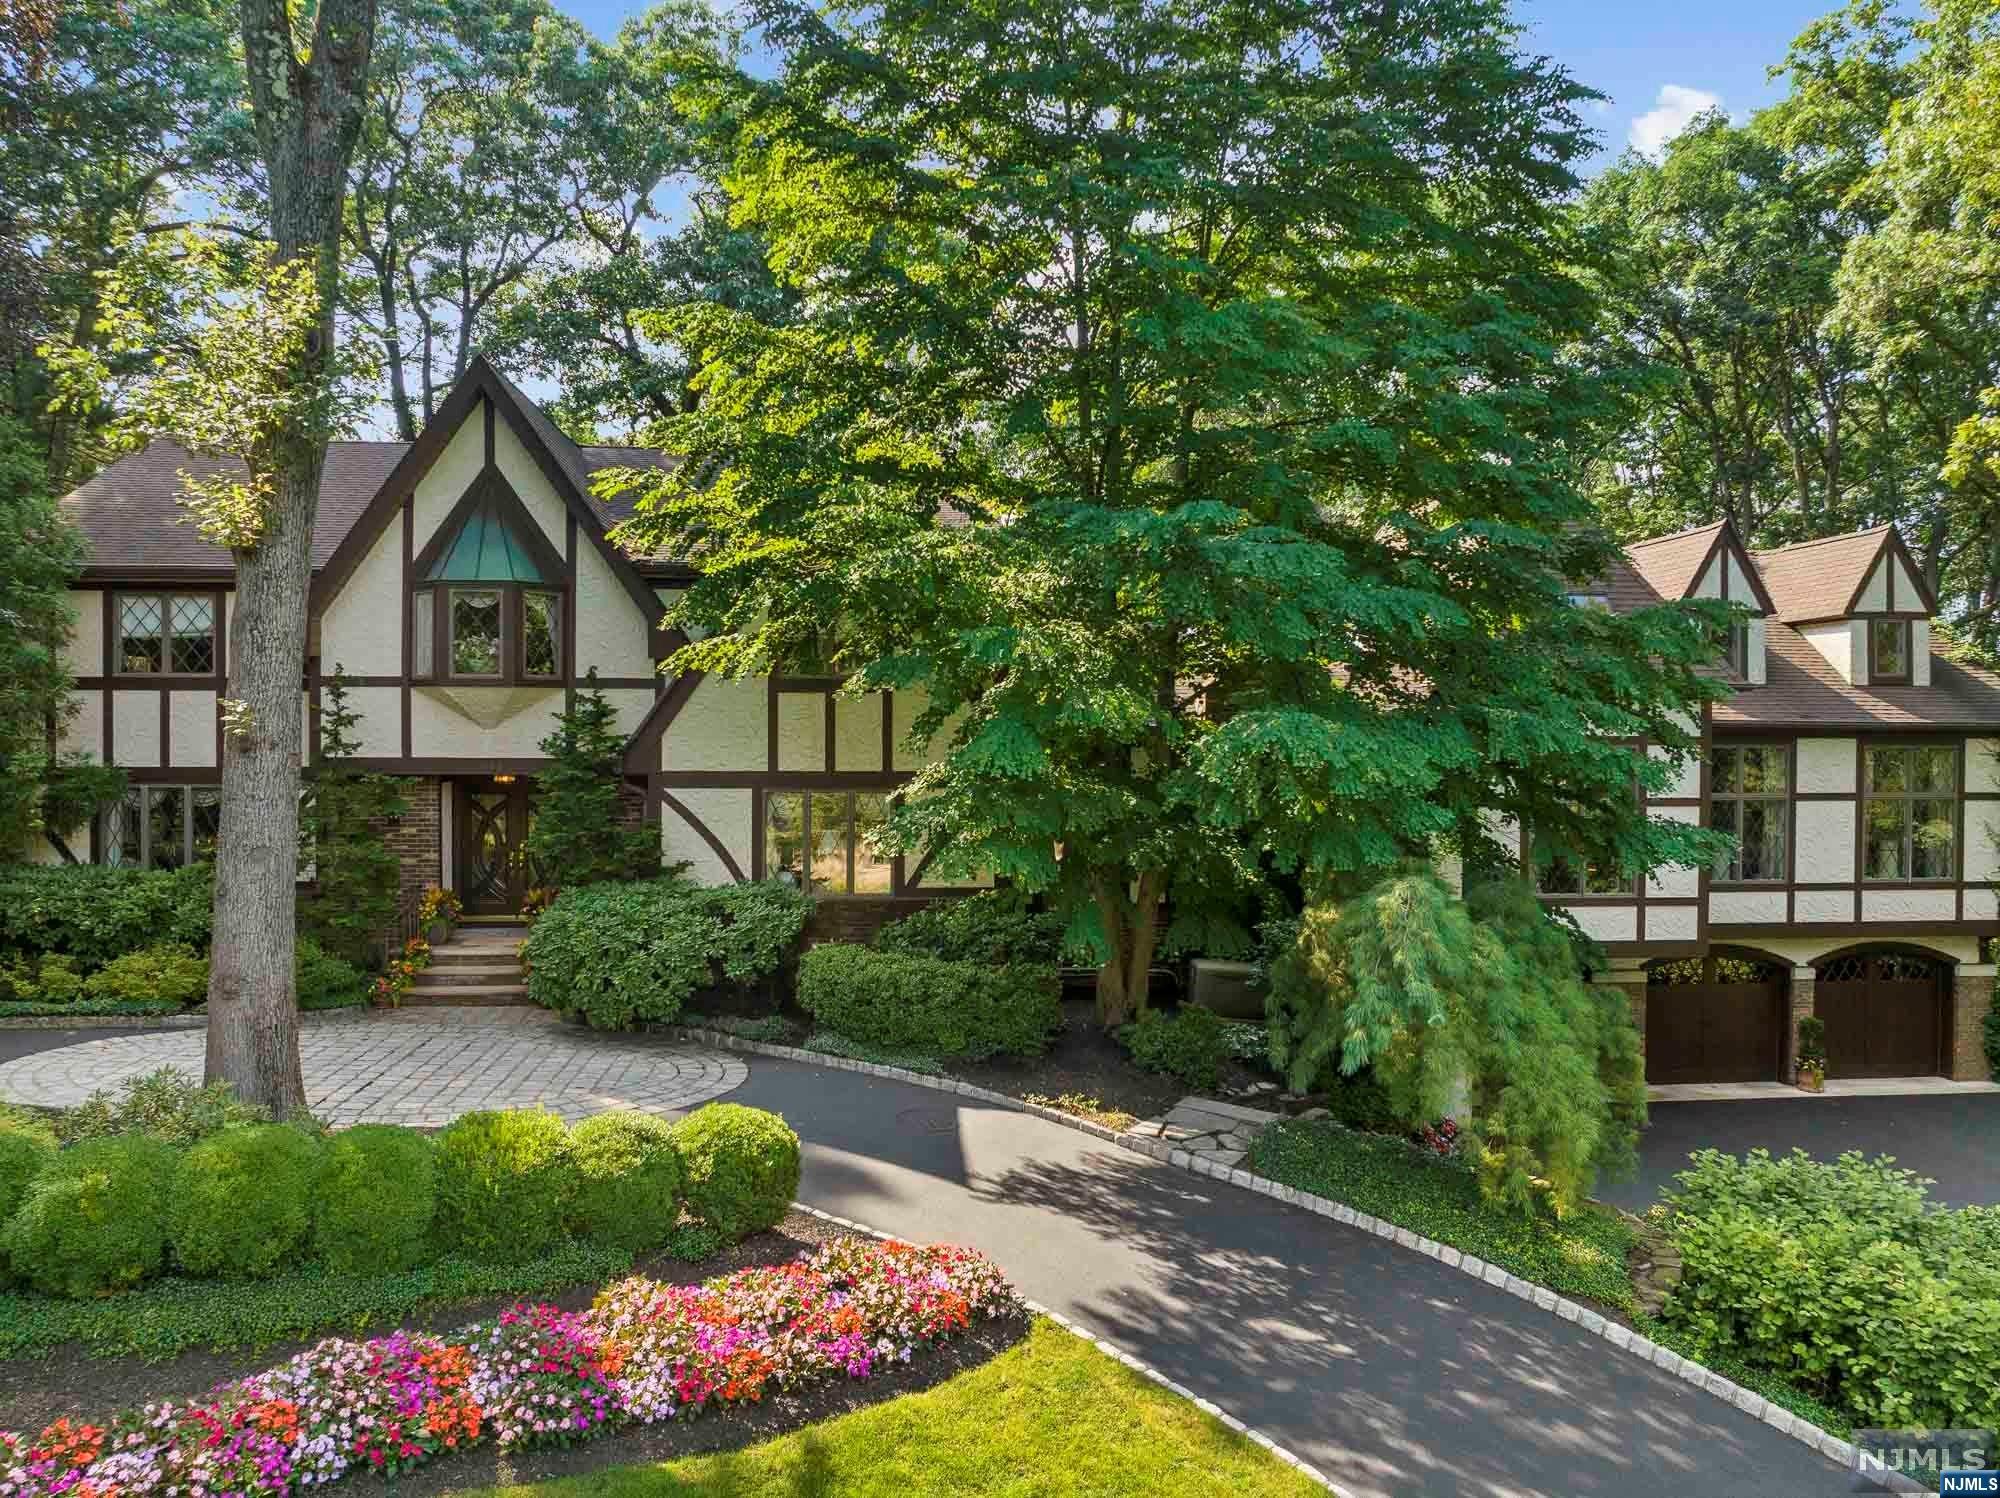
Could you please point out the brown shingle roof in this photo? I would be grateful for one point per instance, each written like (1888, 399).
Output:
(1803, 690)
(130, 513)
(1818, 579)
(1669, 564)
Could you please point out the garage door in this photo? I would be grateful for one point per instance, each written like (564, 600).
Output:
(1714, 1019)
(1884, 1014)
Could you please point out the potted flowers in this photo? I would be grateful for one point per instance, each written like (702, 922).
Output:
(438, 912)
(1812, 1053)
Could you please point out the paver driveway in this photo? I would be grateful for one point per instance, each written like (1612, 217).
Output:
(415, 1071)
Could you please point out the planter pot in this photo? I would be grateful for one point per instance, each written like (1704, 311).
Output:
(1812, 1081)
(437, 933)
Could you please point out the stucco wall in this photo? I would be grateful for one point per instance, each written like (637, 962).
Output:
(1679, 880)
(1908, 905)
(1687, 778)
(1825, 841)
(361, 630)
(1808, 948)
(1672, 922)
(83, 731)
(135, 729)
(1835, 641)
(726, 813)
(191, 729)
(1874, 597)
(448, 479)
(1826, 765)
(83, 651)
(1608, 922)
(801, 730)
(380, 730)
(1810, 906)
(722, 726)
(1746, 905)
(438, 730)
(857, 732)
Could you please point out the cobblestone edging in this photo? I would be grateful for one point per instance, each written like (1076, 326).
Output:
(344, 1016)
(1165, 1151)
(1117, 1354)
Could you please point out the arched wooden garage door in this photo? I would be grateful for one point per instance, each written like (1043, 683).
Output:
(1714, 1019)
(1884, 1014)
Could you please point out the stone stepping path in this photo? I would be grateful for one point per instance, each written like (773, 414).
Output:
(1222, 1132)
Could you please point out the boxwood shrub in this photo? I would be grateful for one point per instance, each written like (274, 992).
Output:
(626, 1181)
(905, 1002)
(1845, 1279)
(95, 913)
(94, 1219)
(619, 953)
(376, 1196)
(242, 1201)
(501, 1181)
(26, 1149)
(169, 972)
(1189, 1044)
(741, 1167)
(324, 981)
(995, 928)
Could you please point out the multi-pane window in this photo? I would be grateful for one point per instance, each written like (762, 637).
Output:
(1750, 797)
(820, 841)
(166, 632)
(163, 826)
(1909, 812)
(1888, 650)
(1565, 874)
(475, 632)
(541, 634)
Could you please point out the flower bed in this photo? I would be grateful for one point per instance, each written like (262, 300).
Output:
(644, 1353)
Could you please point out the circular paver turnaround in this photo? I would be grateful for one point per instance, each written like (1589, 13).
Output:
(410, 1071)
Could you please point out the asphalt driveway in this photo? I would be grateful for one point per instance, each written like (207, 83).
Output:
(1956, 1140)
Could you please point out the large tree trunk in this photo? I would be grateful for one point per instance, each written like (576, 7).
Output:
(1131, 927)
(307, 113)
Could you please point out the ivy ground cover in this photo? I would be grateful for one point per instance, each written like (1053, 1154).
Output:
(537, 1376)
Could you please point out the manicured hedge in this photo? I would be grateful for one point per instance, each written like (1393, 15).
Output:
(740, 1166)
(243, 1201)
(94, 914)
(94, 1219)
(376, 1196)
(1845, 1279)
(628, 1182)
(905, 1002)
(995, 928)
(501, 1183)
(233, 1198)
(619, 953)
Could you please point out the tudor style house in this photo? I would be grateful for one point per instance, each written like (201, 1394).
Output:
(464, 585)
(1857, 769)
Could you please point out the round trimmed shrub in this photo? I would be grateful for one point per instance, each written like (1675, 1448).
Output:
(377, 1195)
(501, 1180)
(741, 1166)
(94, 1219)
(626, 1177)
(26, 1150)
(243, 1201)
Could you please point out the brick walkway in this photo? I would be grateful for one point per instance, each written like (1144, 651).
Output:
(419, 1067)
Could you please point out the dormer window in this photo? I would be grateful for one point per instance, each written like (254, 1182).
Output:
(1889, 652)
(487, 604)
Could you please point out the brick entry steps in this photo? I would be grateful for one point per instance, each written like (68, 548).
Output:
(480, 965)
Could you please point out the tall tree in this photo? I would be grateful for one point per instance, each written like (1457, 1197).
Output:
(503, 148)
(306, 93)
(1179, 402)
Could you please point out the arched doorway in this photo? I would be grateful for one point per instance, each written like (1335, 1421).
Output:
(1884, 1012)
(1718, 1018)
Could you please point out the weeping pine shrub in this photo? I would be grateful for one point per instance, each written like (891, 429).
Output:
(1475, 1009)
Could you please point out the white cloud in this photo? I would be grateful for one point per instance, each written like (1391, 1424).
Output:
(1676, 108)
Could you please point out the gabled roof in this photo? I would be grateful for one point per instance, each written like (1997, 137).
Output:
(130, 512)
(1671, 565)
(561, 461)
(1823, 579)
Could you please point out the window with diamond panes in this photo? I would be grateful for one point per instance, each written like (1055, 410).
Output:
(193, 636)
(171, 633)
(141, 641)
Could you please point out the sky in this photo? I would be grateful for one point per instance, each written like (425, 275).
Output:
(1661, 61)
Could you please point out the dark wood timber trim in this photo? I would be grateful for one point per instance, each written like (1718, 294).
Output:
(642, 750)
(408, 622)
(568, 611)
(787, 780)
(707, 835)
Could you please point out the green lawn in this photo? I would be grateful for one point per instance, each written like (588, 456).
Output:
(1583, 1255)
(1052, 1417)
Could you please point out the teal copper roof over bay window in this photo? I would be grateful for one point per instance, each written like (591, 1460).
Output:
(485, 550)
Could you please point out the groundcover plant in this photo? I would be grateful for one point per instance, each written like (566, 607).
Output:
(537, 1376)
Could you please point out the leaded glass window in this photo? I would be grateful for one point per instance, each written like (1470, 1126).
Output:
(475, 632)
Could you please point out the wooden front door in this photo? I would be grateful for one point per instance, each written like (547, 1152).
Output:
(493, 868)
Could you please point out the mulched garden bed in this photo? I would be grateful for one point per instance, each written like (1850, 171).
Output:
(36, 1390)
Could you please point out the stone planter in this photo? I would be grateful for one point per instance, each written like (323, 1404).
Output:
(437, 933)
(1812, 1079)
